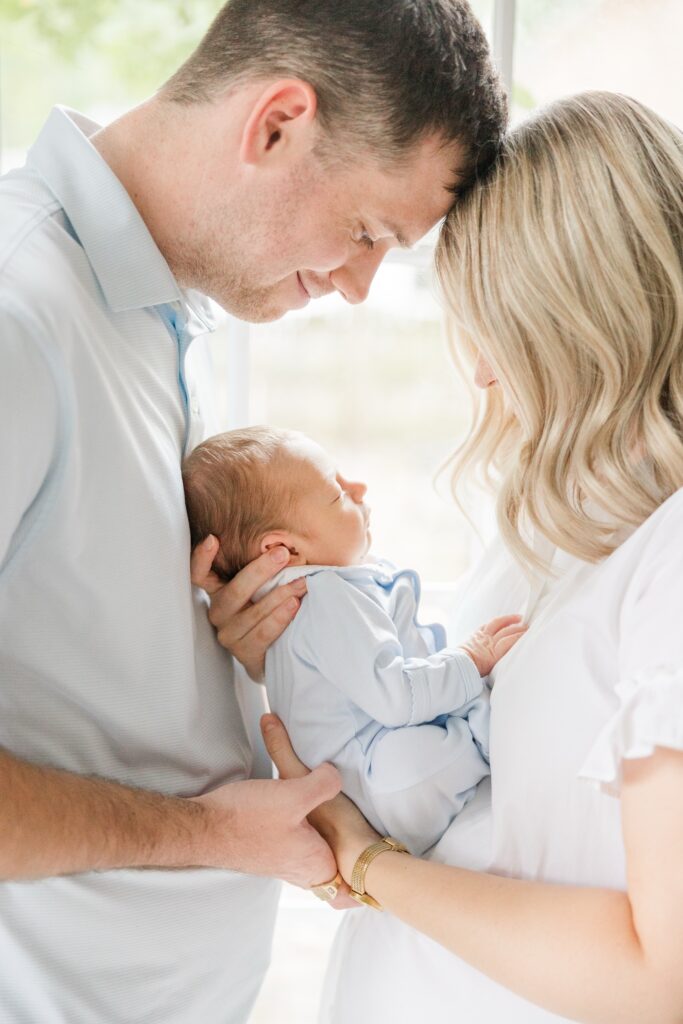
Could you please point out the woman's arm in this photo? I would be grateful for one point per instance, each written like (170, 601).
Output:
(595, 955)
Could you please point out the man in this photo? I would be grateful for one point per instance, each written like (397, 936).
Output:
(300, 142)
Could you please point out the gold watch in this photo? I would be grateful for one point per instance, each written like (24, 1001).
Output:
(361, 866)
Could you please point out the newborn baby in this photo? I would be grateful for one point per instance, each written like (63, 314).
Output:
(355, 679)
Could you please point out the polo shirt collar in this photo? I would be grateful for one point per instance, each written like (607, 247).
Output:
(125, 258)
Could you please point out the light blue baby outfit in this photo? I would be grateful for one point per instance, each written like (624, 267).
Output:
(358, 682)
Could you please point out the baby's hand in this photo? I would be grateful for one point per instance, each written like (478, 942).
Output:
(488, 645)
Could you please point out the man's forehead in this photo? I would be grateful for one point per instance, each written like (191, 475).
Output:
(414, 196)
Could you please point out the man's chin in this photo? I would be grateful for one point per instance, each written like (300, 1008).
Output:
(256, 310)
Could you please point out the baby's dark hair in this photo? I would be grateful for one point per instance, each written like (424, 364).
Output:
(235, 490)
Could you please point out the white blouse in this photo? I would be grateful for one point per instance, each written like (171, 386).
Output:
(598, 678)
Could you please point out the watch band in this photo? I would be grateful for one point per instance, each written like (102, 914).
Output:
(361, 866)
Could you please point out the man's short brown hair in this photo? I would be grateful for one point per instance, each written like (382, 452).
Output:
(387, 73)
(234, 491)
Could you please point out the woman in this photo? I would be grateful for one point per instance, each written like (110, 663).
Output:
(564, 272)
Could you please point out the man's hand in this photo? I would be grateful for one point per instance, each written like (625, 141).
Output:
(247, 630)
(56, 823)
(490, 643)
(259, 827)
(338, 820)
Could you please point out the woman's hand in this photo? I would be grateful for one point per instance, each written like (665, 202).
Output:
(338, 821)
(244, 628)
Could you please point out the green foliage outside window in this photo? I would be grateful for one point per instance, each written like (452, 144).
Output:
(89, 53)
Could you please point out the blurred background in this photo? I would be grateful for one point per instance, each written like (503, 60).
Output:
(371, 383)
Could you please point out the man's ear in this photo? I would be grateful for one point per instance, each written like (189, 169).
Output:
(281, 122)
(277, 538)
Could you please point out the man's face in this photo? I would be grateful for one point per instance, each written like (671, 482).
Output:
(312, 230)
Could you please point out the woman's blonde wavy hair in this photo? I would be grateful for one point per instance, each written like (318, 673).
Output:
(565, 270)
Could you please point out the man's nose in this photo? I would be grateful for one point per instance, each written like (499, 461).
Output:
(484, 376)
(353, 279)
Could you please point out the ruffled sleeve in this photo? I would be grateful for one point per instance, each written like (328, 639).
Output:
(649, 691)
(650, 715)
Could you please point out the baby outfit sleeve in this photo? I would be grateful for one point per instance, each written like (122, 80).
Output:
(650, 669)
(352, 641)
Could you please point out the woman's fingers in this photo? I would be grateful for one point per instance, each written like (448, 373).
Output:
(338, 820)
(281, 603)
(342, 900)
(244, 628)
(280, 749)
(201, 561)
(249, 643)
(242, 587)
(233, 596)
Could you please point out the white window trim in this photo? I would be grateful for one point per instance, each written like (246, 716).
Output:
(503, 39)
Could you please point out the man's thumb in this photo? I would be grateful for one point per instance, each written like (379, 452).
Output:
(320, 785)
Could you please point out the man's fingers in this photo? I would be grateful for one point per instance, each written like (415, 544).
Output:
(319, 786)
(495, 625)
(280, 749)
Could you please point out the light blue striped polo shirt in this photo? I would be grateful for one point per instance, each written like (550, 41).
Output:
(107, 662)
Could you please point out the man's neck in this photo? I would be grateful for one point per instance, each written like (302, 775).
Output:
(140, 147)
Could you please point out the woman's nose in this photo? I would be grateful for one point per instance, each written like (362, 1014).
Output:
(484, 377)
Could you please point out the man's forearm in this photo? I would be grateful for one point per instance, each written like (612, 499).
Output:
(55, 823)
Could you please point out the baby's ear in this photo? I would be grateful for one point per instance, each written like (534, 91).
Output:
(277, 538)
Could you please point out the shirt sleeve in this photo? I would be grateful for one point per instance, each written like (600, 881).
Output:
(353, 643)
(28, 423)
(649, 691)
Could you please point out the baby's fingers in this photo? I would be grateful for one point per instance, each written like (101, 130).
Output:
(516, 629)
(503, 646)
(495, 625)
(507, 639)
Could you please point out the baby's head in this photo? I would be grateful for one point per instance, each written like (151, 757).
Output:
(260, 487)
